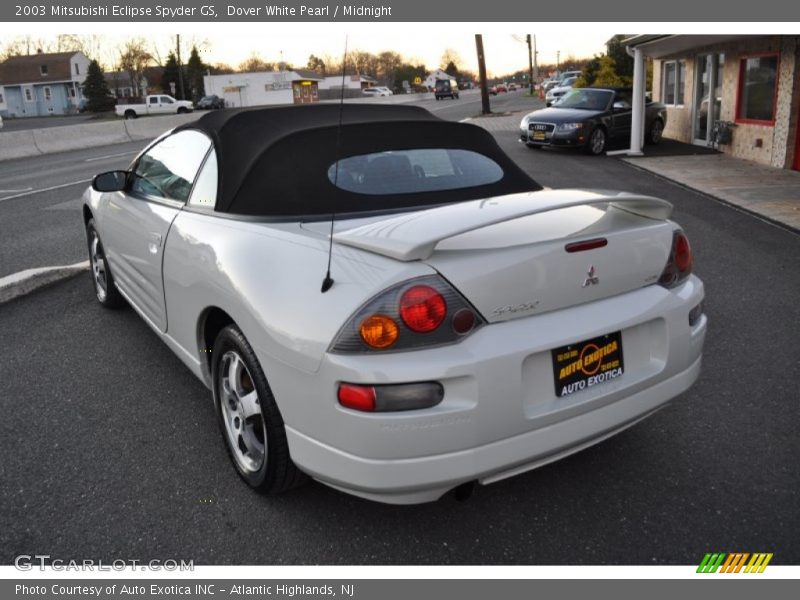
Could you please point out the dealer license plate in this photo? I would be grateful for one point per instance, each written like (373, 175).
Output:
(583, 365)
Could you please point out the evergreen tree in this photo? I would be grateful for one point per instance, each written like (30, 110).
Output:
(607, 74)
(170, 76)
(195, 69)
(451, 69)
(95, 89)
(589, 73)
(623, 62)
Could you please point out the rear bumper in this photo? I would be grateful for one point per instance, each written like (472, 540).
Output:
(500, 414)
(427, 478)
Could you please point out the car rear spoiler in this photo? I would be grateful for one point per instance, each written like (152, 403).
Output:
(413, 236)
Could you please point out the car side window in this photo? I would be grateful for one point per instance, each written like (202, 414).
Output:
(154, 100)
(624, 96)
(205, 190)
(168, 169)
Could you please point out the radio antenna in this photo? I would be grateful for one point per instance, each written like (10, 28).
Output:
(327, 283)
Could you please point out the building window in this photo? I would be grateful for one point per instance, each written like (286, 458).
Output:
(43, 70)
(77, 69)
(72, 92)
(758, 89)
(48, 94)
(1, 98)
(672, 82)
(28, 95)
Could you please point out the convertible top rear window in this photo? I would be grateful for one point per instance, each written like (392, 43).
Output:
(411, 171)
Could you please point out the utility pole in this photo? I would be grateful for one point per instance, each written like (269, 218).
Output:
(180, 69)
(558, 62)
(530, 63)
(535, 59)
(482, 72)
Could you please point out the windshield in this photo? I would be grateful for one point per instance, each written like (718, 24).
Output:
(586, 99)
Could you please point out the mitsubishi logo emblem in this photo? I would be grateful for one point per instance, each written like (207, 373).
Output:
(591, 278)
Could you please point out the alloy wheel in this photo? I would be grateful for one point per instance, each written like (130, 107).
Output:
(98, 264)
(241, 413)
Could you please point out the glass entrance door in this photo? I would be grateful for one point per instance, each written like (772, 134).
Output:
(707, 105)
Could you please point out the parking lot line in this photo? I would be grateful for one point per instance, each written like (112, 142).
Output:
(106, 156)
(47, 189)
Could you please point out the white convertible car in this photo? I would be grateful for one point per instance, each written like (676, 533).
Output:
(471, 326)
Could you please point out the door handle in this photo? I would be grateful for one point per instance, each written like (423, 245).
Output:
(154, 243)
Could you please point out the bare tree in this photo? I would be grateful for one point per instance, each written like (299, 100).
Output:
(365, 63)
(91, 45)
(450, 56)
(27, 45)
(388, 63)
(133, 58)
(254, 63)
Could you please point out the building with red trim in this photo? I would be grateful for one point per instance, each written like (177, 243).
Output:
(752, 81)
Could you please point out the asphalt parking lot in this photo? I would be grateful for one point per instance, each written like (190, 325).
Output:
(111, 449)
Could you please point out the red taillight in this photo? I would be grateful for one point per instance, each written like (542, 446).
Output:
(422, 308)
(683, 253)
(679, 263)
(357, 397)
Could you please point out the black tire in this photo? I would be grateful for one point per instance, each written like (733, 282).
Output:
(596, 144)
(102, 280)
(275, 473)
(183, 110)
(131, 114)
(656, 132)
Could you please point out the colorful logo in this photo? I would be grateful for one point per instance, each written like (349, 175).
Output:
(734, 562)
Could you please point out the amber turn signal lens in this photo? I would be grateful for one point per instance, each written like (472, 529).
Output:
(379, 331)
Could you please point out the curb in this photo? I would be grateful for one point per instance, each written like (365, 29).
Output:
(738, 207)
(24, 282)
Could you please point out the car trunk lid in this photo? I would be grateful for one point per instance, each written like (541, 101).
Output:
(520, 255)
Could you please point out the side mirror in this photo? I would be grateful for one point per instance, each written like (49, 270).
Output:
(621, 105)
(111, 181)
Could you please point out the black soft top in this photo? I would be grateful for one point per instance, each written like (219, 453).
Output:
(274, 161)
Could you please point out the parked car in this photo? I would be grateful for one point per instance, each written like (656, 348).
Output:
(557, 92)
(377, 91)
(470, 326)
(493, 90)
(512, 87)
(155, 104)
(445, 88)
(558, 80)
(591, 119)
(501, 88)
(211, 102)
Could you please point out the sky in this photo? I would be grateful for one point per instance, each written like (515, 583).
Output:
(293, 42)
(419, 42)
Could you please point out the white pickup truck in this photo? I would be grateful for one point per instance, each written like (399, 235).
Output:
(156, 104)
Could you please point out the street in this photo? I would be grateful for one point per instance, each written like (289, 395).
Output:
(37, 194)
(111, 448)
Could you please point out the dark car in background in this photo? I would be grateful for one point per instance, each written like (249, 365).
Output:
(591, 119)
(444, 88)
(210, 102)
